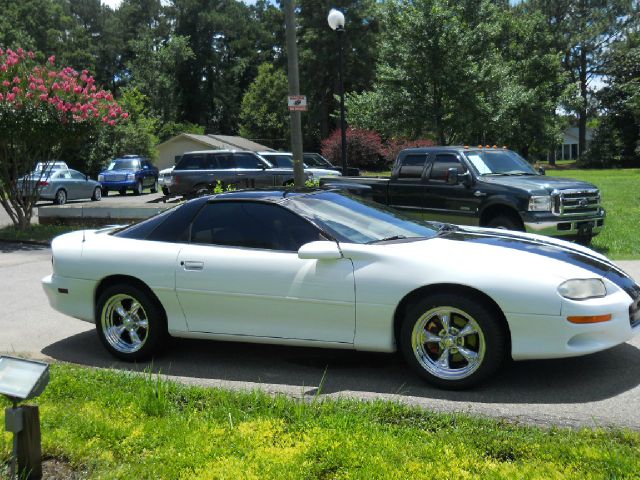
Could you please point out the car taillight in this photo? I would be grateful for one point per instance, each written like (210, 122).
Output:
(42, 183)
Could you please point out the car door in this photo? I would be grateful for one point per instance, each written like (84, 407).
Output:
(241, 275)
(251, 171)
(79, 187)
(406, 191)
(449, 203)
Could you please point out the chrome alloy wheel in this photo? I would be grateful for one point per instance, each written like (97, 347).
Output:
(124, 323)
(448, 343)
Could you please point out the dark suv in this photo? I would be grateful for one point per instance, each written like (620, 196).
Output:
(199, 172)
(130, 172)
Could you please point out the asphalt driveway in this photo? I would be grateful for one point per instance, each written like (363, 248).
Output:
(597, 390)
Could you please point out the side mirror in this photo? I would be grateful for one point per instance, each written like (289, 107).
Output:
(321, 250)
(541, 171)
(452, 176)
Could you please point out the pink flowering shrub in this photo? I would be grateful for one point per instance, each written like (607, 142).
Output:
(363, 147)
(43, 109)
(394, 146)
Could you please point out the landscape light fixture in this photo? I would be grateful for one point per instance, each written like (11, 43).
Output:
(336, 22)
(22, 380)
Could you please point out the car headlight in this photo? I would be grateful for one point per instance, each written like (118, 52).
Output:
(582, 289)
(101, 178)
(131, 176)
(540, 203)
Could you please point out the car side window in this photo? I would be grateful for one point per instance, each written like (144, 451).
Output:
(412, 166)
(194, 161)
(441, 165)
(216, 161)
(76, 175)
(66, 175)
(252, 225)
(246, 160)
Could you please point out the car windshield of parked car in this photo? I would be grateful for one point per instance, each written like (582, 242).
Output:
(354, 220)
(316, 162)
(499, 163)
(124, 164)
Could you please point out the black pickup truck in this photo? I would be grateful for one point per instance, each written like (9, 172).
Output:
(490, 187)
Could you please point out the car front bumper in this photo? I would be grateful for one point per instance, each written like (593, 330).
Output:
(570, 227)
(554, 336)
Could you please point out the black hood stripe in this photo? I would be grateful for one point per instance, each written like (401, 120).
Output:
(563, 253)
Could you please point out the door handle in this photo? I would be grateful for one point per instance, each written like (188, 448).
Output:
(190, 265)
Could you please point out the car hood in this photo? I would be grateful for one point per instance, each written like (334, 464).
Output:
(539, 183)
(323, 171)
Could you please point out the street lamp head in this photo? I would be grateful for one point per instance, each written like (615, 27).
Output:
(336, 20)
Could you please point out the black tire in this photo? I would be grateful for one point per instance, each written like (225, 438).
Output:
(97, 194)
(122, 191)
(201, 190)
(165, 191)
(105, 192)
(508, 222)
(584, 240)
(134, 341)
(60, 197)
(154, 187)
(137, 190)
(427, 358)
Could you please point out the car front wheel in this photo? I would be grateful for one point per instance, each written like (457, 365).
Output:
(97, 194)
(130, 324)
(452, 341)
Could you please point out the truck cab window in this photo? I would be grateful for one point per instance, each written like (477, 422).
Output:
(441, 165)
(412, 166)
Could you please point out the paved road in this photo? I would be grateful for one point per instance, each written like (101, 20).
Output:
(601, 389)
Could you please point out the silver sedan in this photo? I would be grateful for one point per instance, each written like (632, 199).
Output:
(63, 185)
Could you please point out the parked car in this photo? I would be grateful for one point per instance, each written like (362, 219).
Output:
(315, 160)
(490, 187)
(284, 267)
(61, 185)
(285, 160)
(164, 178)
(45, 168)
(199, 172)
(130, 172)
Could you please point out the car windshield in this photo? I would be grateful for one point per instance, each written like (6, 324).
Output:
(354, 220)
(506, 162)
(124, 164)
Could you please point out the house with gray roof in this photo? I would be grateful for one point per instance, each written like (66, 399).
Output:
(171, 150)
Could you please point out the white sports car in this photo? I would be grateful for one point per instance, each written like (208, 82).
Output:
(321, 268)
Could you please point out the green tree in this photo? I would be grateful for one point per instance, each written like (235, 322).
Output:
(264, 116)
(582, 31)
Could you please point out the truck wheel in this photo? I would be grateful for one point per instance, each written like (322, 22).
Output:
(584, 240)
(452, 341)
(137, 190)
(154, 187)
(507, 222)
(105, 192)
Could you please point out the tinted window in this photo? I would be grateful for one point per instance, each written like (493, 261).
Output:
(246, 160)
(220, 162)
(76, 175)
(192, 161)
(441, 166)
(252, 225)
(412, 166)
(280, 161)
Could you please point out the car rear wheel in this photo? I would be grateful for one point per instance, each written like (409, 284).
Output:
(137, 190)
(452, 341)
(60, 198)
(130, 324)
(97, 194)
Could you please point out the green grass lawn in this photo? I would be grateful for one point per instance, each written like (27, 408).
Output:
(620, 190)
(122, 426)
(35, 232)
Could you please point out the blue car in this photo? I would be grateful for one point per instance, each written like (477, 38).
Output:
(130, 172)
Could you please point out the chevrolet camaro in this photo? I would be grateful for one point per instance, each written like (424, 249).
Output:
(321, 268)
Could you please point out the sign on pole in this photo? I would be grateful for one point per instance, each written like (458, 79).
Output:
(298, 103)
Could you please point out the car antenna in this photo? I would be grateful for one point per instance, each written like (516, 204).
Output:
(82, 222)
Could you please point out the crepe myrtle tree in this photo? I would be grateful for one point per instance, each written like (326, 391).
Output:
(43, 109)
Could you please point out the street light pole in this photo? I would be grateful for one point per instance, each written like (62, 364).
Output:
(336, 22)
